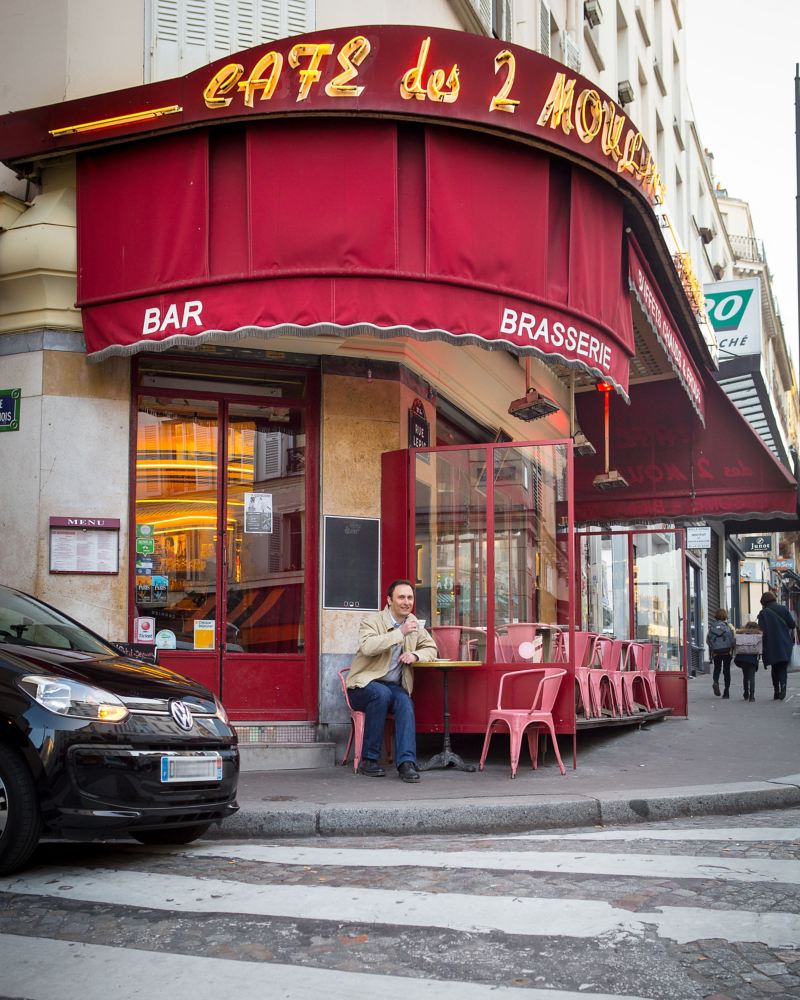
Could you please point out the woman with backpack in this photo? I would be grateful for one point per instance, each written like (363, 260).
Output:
(778, 626)
(748, 648)
(721, 641)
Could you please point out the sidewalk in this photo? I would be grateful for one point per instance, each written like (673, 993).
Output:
(727, 757)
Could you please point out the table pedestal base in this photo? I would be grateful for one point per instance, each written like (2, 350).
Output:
(446, 758)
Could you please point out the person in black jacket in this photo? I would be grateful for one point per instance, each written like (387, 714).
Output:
(721, 640)
(778, 626)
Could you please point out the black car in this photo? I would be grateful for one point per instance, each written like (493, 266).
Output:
(95, 744)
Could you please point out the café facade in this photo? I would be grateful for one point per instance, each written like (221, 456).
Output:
(351, 305)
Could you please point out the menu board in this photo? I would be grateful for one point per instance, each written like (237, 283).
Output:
(351, 572)
(84, 550)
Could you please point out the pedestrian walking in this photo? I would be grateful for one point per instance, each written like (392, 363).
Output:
(748, 652)
(778, 626)
(721, 640)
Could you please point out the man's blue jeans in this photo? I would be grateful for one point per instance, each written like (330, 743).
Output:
(376, 701)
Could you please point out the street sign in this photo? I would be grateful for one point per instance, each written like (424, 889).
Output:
(698, 536)
(9, 409)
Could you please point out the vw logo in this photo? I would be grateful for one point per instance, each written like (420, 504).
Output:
(181, 714)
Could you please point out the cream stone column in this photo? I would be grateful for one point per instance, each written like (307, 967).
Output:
(70, 456)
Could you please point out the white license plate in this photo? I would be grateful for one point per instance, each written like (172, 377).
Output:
(205, 767)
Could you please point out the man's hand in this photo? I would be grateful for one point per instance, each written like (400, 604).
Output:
(409, 625)
(407, 658)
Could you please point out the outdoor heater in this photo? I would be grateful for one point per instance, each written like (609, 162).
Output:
(611, 479)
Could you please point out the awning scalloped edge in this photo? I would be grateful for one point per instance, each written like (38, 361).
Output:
(669, 357)
(354, 330)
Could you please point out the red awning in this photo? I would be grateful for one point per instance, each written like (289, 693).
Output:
(273, 228)
(675, 467)
(652, 303)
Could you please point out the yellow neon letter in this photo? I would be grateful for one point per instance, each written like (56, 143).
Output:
(587, 132)
(313, 51)
(222, 82)
(633, 142)
(501, 101)
(352, 54)
(612, 130)
(257, 81)
(411, 84)
(558, 105)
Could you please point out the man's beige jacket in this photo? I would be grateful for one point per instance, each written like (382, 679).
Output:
(376, 636)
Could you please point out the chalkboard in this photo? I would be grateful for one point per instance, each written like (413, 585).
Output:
(351, 567)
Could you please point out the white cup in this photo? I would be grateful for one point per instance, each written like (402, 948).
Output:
(420, 623)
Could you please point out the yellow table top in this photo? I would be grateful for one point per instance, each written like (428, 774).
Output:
(448, 663)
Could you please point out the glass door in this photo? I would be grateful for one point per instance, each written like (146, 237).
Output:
(264, 556)
(221, 570)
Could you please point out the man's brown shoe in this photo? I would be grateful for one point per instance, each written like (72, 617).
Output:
(408, 771)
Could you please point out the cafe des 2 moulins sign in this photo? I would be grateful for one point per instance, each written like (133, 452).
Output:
(10, 400)
(395, 70)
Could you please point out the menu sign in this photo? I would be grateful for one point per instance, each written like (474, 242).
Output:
(84, 545)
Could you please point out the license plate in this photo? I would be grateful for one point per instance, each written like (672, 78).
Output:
(205, 767)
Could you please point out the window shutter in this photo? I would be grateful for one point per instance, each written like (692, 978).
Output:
(269, 18)
(187, 34)
(296, 17)
(275, 557)
(544, 28)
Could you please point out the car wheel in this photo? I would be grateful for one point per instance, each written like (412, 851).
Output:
(171, 835)
(20, 821)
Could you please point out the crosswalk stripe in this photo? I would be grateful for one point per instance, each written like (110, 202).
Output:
(43, 969)
(562, 862)
(780, 834)
(519, 915)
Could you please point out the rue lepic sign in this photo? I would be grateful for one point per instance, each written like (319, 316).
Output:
(10, 400)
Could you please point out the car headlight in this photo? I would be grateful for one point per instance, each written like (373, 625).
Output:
(71, 698)
(221, 713)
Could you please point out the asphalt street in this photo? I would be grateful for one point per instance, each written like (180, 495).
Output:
(685, 909)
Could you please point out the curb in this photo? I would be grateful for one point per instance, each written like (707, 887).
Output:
(501, 815)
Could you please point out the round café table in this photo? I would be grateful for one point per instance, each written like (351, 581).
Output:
(446, 757)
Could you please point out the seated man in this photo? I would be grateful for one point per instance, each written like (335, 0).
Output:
(380, 679)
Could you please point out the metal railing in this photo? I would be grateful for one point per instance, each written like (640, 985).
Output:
(748, 248)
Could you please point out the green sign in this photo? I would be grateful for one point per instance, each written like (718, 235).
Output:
(10, 400)
(726, 309)
(145, 542)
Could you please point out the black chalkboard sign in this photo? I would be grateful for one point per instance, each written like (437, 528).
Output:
(351, 574)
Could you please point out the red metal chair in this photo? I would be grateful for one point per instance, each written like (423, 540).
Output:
(609, 656)
(356, 738)
(585, 643)
(639, 665)
(458, 642)
(520, 720)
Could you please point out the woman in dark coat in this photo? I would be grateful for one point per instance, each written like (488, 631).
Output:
(778, 626)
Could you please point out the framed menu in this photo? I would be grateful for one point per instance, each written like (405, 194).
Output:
(84, 545)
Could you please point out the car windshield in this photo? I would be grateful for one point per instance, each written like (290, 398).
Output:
(26, 622)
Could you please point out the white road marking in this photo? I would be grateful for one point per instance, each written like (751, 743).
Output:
(782, 834)
(518, 915)
(42, 969)
(561, 862)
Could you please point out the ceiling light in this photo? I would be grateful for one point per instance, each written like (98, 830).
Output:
(533, 405)
(581, 445)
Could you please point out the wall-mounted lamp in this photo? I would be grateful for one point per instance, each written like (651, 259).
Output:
(533, 405)
(593, 12)
(625, 92)
(611, 479)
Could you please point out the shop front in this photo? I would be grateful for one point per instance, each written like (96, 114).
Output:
(331, 264)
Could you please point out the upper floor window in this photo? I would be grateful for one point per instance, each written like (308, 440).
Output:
(182, 35)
